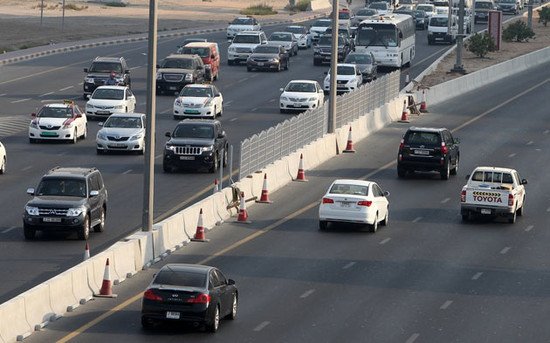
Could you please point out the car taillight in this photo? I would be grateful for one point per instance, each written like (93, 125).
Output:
(401, 145)
(150, 295)
(444, 149)
(364, 203)
(328, 201)
(510, 200)
(200, 299)
(463, 196)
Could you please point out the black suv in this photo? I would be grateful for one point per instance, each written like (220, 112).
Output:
(428, 149)
(195, 143)
(100, 71)
(323, 49)
(178, 70)
(67, 199)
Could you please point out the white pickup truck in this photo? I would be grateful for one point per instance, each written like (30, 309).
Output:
(493, 191)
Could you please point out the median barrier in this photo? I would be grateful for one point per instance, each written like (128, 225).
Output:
(13, 321)
(80, 285)
(161, 244)
(220, 211)
(174, 231)
(98, 269)
(61, 296)
(38, 310)
(123, 262)
(144, 254)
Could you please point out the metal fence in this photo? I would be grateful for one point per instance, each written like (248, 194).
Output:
(276, 142)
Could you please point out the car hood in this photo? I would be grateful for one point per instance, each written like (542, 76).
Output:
(341, 78)
(191, 141)
(318, 28)
(120, 131)
(264, 56)
(45, 121)
(244, 45)
(104, 102)
(365, 67)
(281, 42)
(192, 99)
(299, 94)
(56, 202)
(299, 35)
(174, 70)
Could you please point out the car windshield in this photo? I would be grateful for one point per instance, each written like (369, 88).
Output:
(194, 131)
(124, 122)
(108, 94)
(202, 52)
(243, 21)
(359, 59)
(366, 12)
(441, 10)
(345, 188)
(345, 70)
(379, 6)
(344, 15)
(266, 49)
(327, 40)
(377, 35)
(199, 92)
(439, 22)
(62, 187)
(295, 29)
(419, 14)
(441, 3)
(171, 277)
(177, 63)
(423, 138)
(105, 67)
(508, 1)
(424, 8)
(322, 23)
(55, 112)
(284, 37)
(247, 39)
(483, 5)
(300, 87)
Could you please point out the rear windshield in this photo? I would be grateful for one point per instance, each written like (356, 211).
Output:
(495, 177)
(202, 52)
(423, 138)
(339, 188)
(194, 131)
(172, 277)
(344, 15)
(379, 6)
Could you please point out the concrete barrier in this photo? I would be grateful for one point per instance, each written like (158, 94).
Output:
(13, 323)
(38, 310)
(123, 262)
(81, 289)
(144, 255)
(61, 296)
(97, 270)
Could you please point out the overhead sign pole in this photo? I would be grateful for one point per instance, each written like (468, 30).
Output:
(333, 67)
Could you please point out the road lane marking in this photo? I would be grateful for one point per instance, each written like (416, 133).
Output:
(165, 111)
(142, 103)
(233, 119)
(45, 94)
(3, 94)
(253, 75)
(272, 100)
(537, 149)
(530, 143)
(548, 209)
(20, 100)
(417, 219)
(445, 200)
(128, 171)
(254, 109)
(228, 102)
(261, 326)
(427, 58)
(384, 241)
(62, 153)
(349, 265)
(307, 293)
(158, 156)
(80, 83)
(8, 230)
(505, 250)
(446, 304)
(529, 228)
(243, 80)
(413, 338)
(545, 131)
(26, 168)
(477, 276)
(512, 155)
(134, 68)
(64, 89)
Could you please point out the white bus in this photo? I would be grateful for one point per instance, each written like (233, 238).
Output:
(390, 38)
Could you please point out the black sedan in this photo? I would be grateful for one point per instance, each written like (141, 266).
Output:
(268, 57)
(191, 293)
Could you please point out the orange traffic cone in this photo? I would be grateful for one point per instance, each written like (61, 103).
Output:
(405, 113)
(199, 234)
(349, 145)
(106, 290)
(216, 186)
(423, 104)
(264, 198)
(301, 174)
(243, 214)
(86, 252)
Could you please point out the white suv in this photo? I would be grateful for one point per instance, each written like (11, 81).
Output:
(348, 78)
(106, 100)
(62, 121)
(241, 24)
(242, 45)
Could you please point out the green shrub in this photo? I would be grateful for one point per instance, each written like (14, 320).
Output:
(517, 31)
(544, 15)
(75, 7)
(262, 9)
(302, 5)
(480, 44)
(116, 4)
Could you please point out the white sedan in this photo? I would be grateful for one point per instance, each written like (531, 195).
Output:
(3, 159)
(354, 201)
(106, 100)
(301, 34)
(198, 101)
(301, 95)
(348, 78)
(122, 132)
(62, 121)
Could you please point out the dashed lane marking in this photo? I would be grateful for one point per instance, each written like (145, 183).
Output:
(3, 94)
(349, 265)
(512, 155)
(417, 219)
(529, 228)
(445, 200)
(243, 80)
(505, 250)
(530, 143)
(548, 209)
(12, 125)
(446, 304)
(134, 68)
(254, 109)
(228, 102)
(158, 156)
(26, 168)
(307, 293)
(64, 89)
(545, 131)
(261, 326)
(20, 100)
(413, 338)
(128, 171)
(384, 241)
(45, 94)
(233, 119)
(8, 230)
(272, 100)
(62, 153)
(477, 275)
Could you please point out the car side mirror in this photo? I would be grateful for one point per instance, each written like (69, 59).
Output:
(386, 193)
(127, 71)
(168, 134)
(218, 95)
(33, 114)
(158, 65)
(230, 282)
(94, 193)
(212, 56)
(457, 141)
(523, 181)
(281, 89)
(221, 134)
(85, 70)
(30, 191)
(100, 123)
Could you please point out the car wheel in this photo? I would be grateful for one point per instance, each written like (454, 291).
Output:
(28, 232)
(279, 67)
(282, 110)
(248, 69)
(84, 231)
(32, 140)
(215, 165)
(323, 225)
(214, 321)
(225, 154)
(374, 226)
(101, 226)
(85, 134)
(221, 110)
(233, 314)
(446, 171)
(229, 62)
(454, 171)
(430, 42)
(3, 166)
(512, 217)
(386, 219)
(521, 209)
(75, 137)
(401, 173)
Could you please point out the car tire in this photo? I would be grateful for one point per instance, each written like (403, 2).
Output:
(282, 110)
(521, 209)
(386, 219)
(454, 171)
(29, 233)
(214, 322)
(85, 134)
(316, 63)
(430, 42)
(166, 168)
(446, 171)
(466, 216)
(221, 110)
(3, 166)
(248, 69)
(225, 154)
(32, 140)
(101, 226)
(75, 137)
(323, 225)
(512, 218)
(234, 307)
(215, 166)
(229, 62)
(83, 232)
(374, 225)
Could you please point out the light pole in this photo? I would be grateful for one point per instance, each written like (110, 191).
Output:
(458, 67)
(333, 67)
(530, 14)
(149, 172)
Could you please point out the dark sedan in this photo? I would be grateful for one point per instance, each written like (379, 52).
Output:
(268, 57)
(365, 63)
(191, 293)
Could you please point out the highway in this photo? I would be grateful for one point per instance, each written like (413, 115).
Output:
(427, 277)
(250, 106)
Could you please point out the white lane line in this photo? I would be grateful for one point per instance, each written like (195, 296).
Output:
(64, 89)
(272, 100)
(158, 156)
(261, 326)
(529, 228)
(477, 276)
(142, 103)
(548, 209)
(537, 149)
(254, 109)
(3, 94)
(128, 171)
(446, 304)
(505, 250)
(512, 155)
(417, 219)
(134, 68)
(445, 200)
(20, 100)
(243, 80)
(307, 293)
(349, 265)
(26, 168)
(384, 241)
(43, 95)
(228, 102)
(545, 131)
(413, 338)
(530, 143)
(80, 83)
(165, 111)
(8, 230)
(233, 119)
(253, 75)
(62, 153)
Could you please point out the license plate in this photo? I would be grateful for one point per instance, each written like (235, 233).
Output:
(102, 112)
(118, 145)
(172, 88)
(172, 315)
(485, 211)
(345, 204)
(438, 38)
(51, 220)
(187, 158)
(260, 64)
(297, 105)
(49, 134)
(192, 111)
(421, 152)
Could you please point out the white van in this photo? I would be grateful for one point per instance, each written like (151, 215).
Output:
(438, 30)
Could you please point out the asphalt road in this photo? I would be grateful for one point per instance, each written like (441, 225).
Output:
(427, 277)
(250, 106)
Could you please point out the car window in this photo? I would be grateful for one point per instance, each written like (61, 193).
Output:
(376, 191)
(214, 279)
(194, 131)
(477, 176)
(95, 182)
(507, 178)
(221, 277)
(350, 189)
(423, 138)
(61, 187)
(99, 180)
(55, 112)
(169, 276)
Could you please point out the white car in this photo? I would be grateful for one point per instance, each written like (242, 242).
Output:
(3, 159)
(122, 132)
(319, 27)
(300, 95)
(287, 40)
(198, 101)
(243, 44)
(348, 78)
(354, 201)
(428, 8)
(301, 34)
(382, 7)
(241, 24)
(58, 121)
(106, 100)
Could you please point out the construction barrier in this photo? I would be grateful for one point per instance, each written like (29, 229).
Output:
(38, 310)
(13, 323)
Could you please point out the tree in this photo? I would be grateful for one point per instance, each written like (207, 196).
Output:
(480, 44)
(544, 15)
(518, 31)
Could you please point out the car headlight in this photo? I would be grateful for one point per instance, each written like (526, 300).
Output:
(89, 80)
(102, 136)
(284, 98)
(188, 77)
(159, 76)
(136, 137)
(312, 99)
(207, 148)
(75, 212)
(34, 125)
(170, 147)
(351, 81)
(231, 49)
(276, 60)
(90, 106)
(207, 102)
(33, 211)
(178, 102)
